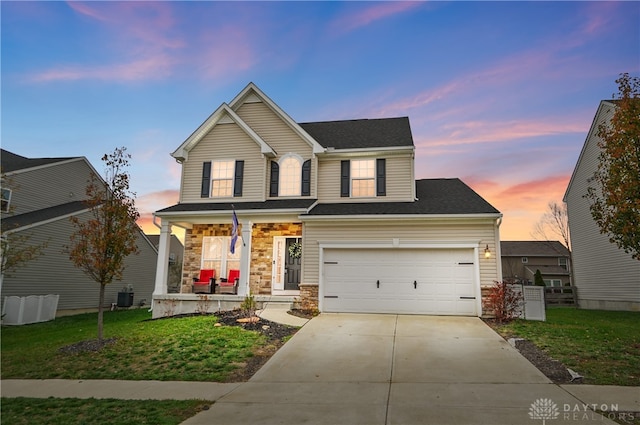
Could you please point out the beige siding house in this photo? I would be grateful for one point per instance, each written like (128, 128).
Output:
(41, 195)
(329, 216)
(606, 277)
(521, 260)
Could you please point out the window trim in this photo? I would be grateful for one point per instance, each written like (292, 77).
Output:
(281, 174)
(564, 266)
(231, 178)
(371, 179)
(525, 260)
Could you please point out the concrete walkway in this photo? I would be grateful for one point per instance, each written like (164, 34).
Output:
(277, 312)
(374, 369)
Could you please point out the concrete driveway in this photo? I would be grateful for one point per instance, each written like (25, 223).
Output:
(388, 369)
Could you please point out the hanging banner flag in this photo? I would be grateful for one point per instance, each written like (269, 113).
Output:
(234, 232)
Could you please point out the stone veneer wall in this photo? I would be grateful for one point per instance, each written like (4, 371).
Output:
(309, 296)
(262, 251)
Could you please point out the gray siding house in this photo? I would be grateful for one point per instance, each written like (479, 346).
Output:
(521, 259)
(606, 277)
(328, 213)
(39, 197)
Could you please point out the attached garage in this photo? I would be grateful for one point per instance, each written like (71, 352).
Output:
(439, 281)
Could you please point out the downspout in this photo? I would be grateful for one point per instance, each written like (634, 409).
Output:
(498, 248)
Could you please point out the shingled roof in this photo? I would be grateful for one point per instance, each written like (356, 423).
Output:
(435, 196)
(12, 162)
(272, 204)
(533, 249)
(362, 133)
(45, 214)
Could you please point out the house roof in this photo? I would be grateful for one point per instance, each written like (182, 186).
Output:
(274, 204)
(38, 216)
(362, 133)
(435, 196)
(11, 162)
(533, 249)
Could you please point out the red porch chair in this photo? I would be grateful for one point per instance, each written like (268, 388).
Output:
(205, 283)
(230, 284)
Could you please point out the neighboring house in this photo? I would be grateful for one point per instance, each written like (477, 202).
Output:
(41, 195)
(329, 212)
(521, 259)
(606, 277)
(176, 249)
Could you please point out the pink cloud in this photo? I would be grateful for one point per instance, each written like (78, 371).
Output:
(473, 132)
(151, 68)
(521, 203)
(363, 17)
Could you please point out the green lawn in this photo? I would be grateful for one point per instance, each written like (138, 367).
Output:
(75, 411)
(603, 346)
(181, 349)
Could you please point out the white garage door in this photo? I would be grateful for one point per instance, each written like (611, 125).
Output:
(411, 281)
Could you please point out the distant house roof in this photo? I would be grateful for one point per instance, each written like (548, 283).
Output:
(548, 270)
(11, 162)
(362, 133)
(435, 196)
(39, 216)
(533, 249)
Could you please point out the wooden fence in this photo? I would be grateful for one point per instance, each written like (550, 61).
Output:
(561, 295)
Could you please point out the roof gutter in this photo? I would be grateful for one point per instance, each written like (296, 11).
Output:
(401, 217)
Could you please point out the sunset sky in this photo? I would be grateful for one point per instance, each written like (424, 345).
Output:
(499, 94)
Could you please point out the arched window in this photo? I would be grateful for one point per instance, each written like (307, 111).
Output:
(290, 175)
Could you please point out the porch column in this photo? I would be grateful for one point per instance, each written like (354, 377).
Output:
(245, 258)
(162, 266)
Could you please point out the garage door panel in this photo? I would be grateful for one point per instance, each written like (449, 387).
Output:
(382, 280)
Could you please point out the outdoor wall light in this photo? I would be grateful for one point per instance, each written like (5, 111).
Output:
(487, 253)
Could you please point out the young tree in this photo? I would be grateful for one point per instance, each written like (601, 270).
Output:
(615, 199)
(553, 224)
(100, 244)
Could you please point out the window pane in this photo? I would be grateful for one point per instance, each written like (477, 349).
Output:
(362, 169)
(221, 188)
(290, 177)
(362, 188)
(222, 174)
(223, 169)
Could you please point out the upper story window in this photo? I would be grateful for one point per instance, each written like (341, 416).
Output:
(222, 179)
(290, 176)
(6, 199)
(362, 178)
(562, 262)
(525, 260)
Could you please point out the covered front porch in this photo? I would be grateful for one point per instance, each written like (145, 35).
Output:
(267, 258)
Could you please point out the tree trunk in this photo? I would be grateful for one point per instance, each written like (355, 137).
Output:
(100, 311)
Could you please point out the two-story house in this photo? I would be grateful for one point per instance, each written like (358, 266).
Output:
(607, 278)
(521, 259)
(329, 212)
(39, 195)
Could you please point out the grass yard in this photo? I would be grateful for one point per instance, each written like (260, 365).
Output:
(603, 346)
(177, 349)
(72, 411)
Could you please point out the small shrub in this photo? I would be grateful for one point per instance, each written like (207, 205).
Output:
(504, 301)
(537, 279)
(248, 306)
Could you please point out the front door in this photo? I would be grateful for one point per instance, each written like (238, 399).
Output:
(293, 255)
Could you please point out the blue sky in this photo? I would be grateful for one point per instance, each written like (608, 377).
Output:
(499, 94)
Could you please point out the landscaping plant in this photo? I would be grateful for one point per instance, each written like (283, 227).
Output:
(504, 301)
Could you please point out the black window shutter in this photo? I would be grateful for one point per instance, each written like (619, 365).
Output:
(306, 178)
(237, 184)
(381, 179)
(206, 180)
(275, 172)
(345, 177)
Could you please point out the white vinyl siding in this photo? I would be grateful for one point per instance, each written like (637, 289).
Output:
(53, 272)
(405, 232)
(399, 180)
(224, 141)
(602, 272)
